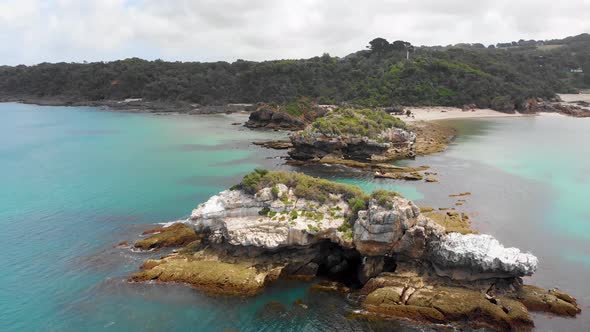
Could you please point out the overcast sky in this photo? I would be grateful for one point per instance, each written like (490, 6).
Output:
(33, 31)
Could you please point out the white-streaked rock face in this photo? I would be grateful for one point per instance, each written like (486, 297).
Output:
(274, 219)
(378, 230)
(271, 222)
(479, 256)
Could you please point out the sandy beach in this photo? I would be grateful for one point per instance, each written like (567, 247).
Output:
(443, 113)
(571, 98)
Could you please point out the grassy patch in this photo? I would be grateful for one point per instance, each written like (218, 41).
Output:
(313, 189)
(384, 197)
(359, 123)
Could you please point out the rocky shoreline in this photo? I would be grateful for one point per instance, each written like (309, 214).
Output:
(402, 263)
(136, 105)
(364, 139)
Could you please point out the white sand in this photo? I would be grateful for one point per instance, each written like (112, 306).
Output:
(569, 98)
(443, 113)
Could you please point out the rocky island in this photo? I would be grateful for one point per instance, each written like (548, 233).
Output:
(400, 262)
(292, 116)
(362, 135)
(369, 139)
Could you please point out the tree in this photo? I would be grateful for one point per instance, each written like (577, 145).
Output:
(400, 45)
(379, 45)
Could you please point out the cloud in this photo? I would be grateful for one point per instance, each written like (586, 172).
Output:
(34, 31)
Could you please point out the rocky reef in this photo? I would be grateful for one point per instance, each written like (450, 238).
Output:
(538, 105)
(361, 135)
(293, 116)
(402, 263)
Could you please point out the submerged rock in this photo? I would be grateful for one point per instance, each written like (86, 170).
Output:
(412, 176)
(176, 235)
(277, 145)
(453, 222)
(553, 301)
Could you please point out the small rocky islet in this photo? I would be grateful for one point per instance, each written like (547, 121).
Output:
(401, 261)
(366, 139)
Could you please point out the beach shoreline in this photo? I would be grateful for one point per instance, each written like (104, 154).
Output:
(435, 113)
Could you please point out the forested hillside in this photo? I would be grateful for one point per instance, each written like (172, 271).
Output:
(500, 76)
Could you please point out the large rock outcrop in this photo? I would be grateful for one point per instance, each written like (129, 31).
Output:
(275, 217)
(271, 220)
(479, 256)
(392, 229)
(266, 117)
(278, 224)
(292, 116)
(360, 135)
(395, 143)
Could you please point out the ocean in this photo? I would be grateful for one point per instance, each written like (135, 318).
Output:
(77, 181)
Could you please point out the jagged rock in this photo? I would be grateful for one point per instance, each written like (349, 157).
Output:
(554, 301)
(329, 286)
(479, 256)
(274, 219)
(210, 275)
(175, 235)
(453, 222)
(277, 145)
(262, 230)
(371, 267)
(535, 106)
(394, 143)
(409, 293)
(270, 222)
(411, 176)
(286, 117)
(354, 134)
(271, 119)
(380, 228)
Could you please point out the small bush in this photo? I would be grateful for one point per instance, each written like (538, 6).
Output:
(384, 198)
(264, 211)
(275, 191)
(350, 122)
(357, 204)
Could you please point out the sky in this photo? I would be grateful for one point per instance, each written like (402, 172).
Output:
(35, 31)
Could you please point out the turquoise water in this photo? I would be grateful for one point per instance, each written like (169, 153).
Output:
(530, 185)
(76, 181)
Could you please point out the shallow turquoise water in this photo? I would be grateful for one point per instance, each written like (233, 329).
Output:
(75, 181)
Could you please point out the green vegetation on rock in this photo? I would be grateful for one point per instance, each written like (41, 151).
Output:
(314, 189)
(384, 197)
(303, 186)
(173, 236)
(351, 122)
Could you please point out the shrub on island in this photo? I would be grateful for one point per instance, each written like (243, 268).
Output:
(356, 123)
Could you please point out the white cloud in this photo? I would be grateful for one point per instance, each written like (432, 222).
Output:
(34, 31)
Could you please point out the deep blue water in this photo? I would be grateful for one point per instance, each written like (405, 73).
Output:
(76, 181)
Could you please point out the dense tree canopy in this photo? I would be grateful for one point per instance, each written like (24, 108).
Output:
(501, 77)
